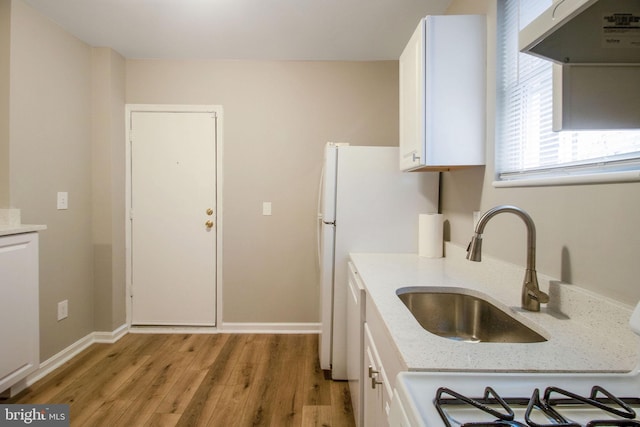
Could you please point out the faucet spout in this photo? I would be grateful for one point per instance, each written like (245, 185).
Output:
(532, 296)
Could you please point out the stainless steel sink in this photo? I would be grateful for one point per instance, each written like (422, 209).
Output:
(464, 317)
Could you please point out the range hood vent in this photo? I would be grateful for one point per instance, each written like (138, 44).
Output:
(585, 32)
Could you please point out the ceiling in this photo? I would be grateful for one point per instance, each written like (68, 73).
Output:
(244, 29)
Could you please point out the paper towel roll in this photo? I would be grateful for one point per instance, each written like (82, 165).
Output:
(430, 235)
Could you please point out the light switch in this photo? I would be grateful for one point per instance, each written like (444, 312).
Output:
(63, 200)
(63, 309)
(266, 208)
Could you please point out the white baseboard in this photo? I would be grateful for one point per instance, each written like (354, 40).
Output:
(111, 337)
(60, 358)
(173, 330)
(271, 328)
(231, 327)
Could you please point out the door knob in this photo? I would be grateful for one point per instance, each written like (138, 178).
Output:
(209, 224)
(372, 372)
(375, 382)
(209, 211)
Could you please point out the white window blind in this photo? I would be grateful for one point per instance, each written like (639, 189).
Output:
(526, 146)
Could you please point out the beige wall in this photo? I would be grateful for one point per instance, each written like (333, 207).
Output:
(277, 118)
(5, 37)
(66, 133)
(50, 133)
(588, 235)
(107, 188)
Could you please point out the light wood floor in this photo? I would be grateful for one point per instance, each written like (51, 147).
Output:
(197, 380)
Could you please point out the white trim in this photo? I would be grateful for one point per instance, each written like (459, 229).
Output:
(271, 328)
(63, 356)
(111, 337)
(154, 329)
(595, 178)
(218, 110)
(232, 327)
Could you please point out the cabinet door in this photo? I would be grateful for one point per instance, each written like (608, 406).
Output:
(377, 395)
(443, 94)
(18, 307)
(355, 322)
(411, 74)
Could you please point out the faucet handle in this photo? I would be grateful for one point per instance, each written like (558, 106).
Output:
(541, 297)
(536, 293)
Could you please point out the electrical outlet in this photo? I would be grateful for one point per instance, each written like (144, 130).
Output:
(63, 200)
(63, 309)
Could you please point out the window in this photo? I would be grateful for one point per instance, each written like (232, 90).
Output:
(528, 152)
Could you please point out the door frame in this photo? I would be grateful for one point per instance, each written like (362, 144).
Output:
(218, 111)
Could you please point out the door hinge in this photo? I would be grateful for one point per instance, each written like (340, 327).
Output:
(131, 214)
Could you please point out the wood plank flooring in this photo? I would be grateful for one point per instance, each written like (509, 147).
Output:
(197, 380)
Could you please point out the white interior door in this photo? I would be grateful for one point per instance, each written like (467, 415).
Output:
(173, 210)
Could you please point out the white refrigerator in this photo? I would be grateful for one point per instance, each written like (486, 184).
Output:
(365, 205)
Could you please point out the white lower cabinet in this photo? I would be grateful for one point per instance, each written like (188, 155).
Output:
(372, 362)
(377, 389)
(398, 415)
(19, 333)
(355, 339)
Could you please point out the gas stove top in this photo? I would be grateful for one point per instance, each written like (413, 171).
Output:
(553, 406)
(484, 399)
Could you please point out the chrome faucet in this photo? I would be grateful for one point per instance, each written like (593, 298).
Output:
(532, 296)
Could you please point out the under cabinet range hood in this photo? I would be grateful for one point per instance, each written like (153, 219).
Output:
(598, 32)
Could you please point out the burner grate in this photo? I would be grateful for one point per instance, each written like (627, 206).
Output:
(552, 415)
(605, 404)
(554, 402)
(481, 404)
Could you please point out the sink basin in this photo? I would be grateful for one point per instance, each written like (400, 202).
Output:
(464, 317)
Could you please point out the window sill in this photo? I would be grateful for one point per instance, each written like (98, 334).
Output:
(573, 179)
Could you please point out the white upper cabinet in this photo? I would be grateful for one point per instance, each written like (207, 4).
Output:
(443, 94)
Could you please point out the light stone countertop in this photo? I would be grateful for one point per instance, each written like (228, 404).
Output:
(586, 332)
(10, 223)
(6, 230)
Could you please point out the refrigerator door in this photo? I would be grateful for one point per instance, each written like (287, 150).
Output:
(327, 241)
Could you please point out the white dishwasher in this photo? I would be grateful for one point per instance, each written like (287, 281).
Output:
(356, 298)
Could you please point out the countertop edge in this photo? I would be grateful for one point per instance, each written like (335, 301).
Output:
(19, 229)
